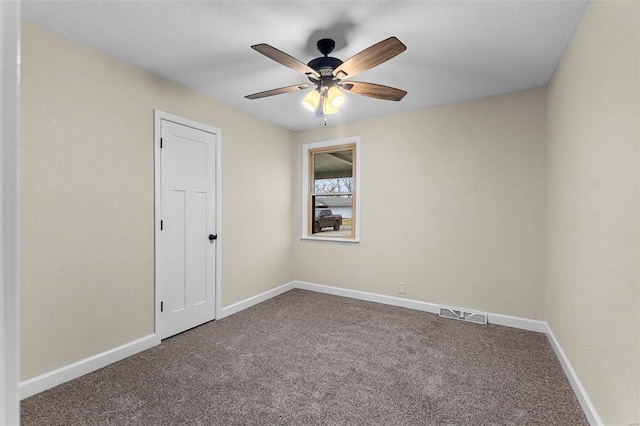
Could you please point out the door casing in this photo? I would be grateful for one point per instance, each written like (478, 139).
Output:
(158, 116)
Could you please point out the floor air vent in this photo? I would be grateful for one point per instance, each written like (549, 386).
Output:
(463, 315)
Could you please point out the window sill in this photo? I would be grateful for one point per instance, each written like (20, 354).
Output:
(331, 240)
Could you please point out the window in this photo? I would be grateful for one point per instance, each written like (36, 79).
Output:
(331, 190)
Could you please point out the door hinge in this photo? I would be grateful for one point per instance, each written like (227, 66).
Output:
(161, 306)
(160, 143)
(161, 225)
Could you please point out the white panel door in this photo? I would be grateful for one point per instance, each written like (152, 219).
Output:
(188, 229)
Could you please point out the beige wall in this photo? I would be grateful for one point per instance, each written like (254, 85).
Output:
(593, 252)
(453, 204)
(466, 203)
(87, 199)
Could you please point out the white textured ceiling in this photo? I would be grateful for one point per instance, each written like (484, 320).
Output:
(456, 50)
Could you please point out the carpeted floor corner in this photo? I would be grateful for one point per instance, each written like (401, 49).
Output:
(306, 358)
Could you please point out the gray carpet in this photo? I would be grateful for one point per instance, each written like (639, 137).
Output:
(306, 358)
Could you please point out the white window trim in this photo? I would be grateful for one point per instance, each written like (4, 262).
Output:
(305, 189)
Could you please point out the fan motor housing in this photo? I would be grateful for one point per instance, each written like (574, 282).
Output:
(325, 65)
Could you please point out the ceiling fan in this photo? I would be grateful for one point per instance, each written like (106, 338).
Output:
(329, 75)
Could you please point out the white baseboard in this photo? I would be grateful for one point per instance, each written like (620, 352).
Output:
(498, 319)
(370, 297)
(73, 371)
(80, 368)
(517, 322)
(48, 380)
(247, 303)
(588, 408)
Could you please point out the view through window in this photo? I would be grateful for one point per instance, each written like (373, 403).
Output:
(332, 191)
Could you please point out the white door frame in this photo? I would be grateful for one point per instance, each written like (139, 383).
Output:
(9, 211)
(158, 116)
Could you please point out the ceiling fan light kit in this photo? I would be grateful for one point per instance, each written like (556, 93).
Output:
(326, 101)
(328, 75)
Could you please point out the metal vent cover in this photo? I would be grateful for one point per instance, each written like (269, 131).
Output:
(463, 315)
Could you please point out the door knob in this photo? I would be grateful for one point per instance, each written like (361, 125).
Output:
(212, 237)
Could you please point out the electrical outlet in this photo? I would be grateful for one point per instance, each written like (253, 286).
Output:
(402, 288)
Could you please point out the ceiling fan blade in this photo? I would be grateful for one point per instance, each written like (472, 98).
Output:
(370, 57)
(372, 90)
(278, 91)
(284, 59)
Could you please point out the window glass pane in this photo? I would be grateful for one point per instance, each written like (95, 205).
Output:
(332, 193)
(333, 215)
(333, 164)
